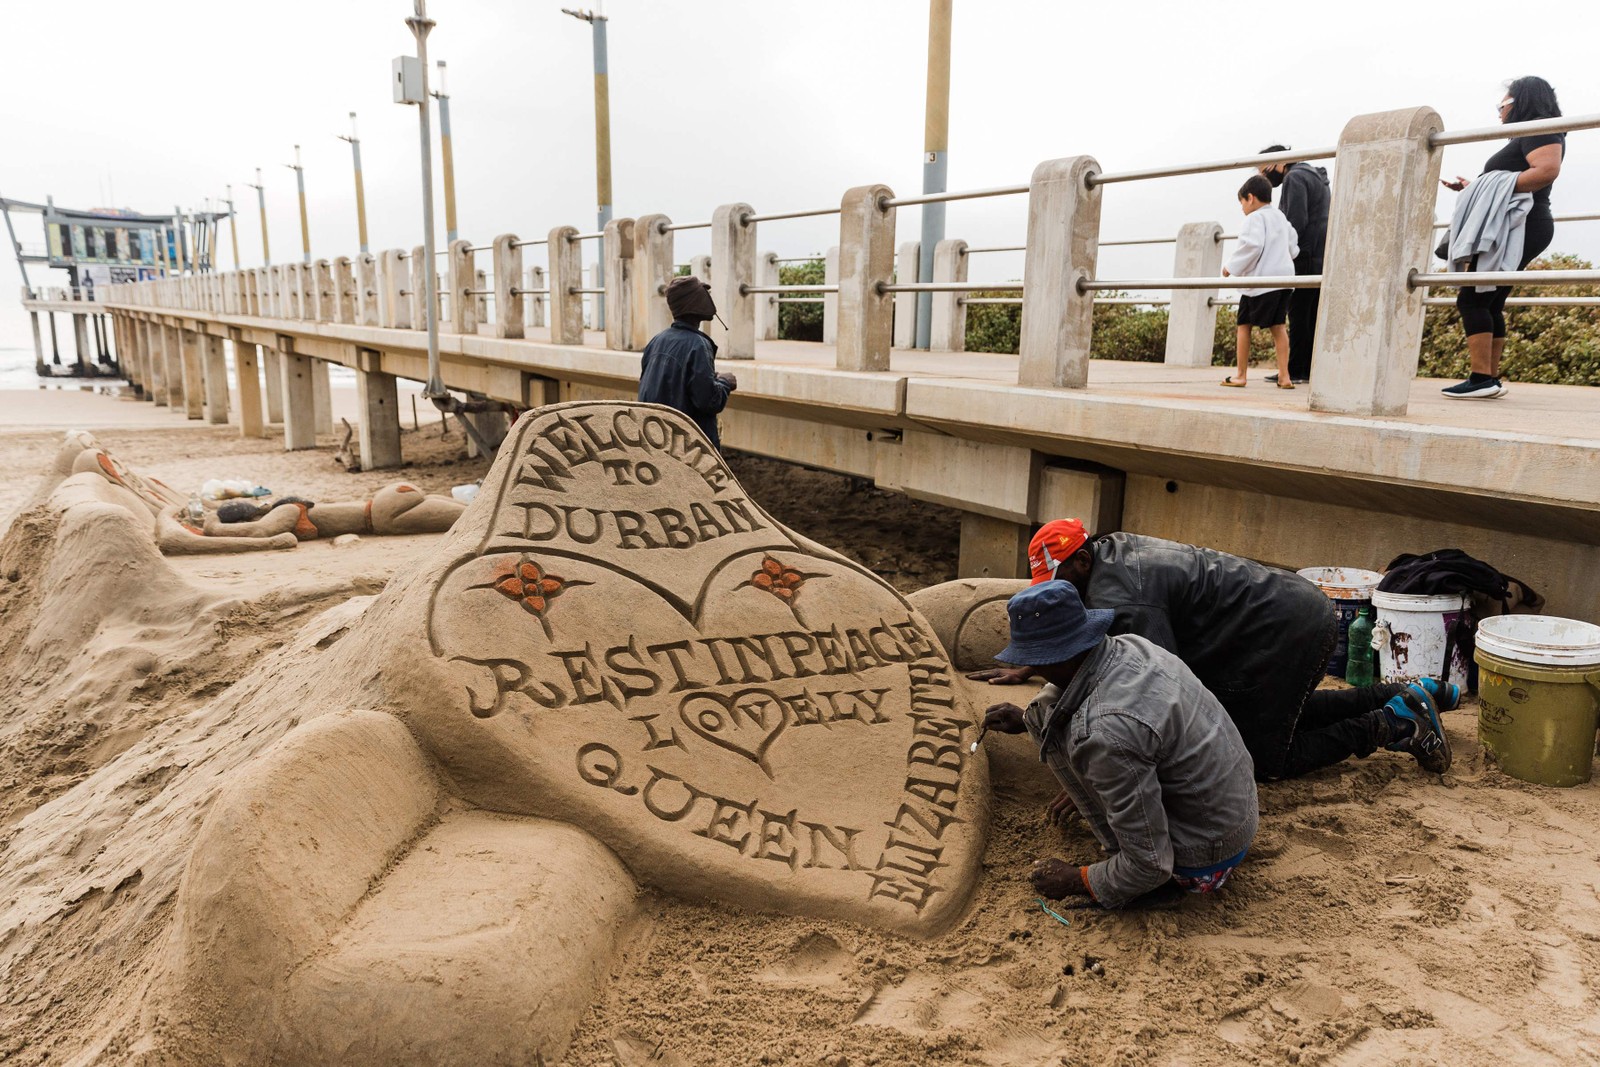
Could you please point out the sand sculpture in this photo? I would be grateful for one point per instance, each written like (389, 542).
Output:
(84, 470)
(615, 670)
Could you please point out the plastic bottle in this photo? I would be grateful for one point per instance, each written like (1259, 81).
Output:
(1358, 643)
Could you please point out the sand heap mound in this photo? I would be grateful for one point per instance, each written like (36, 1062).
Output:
(616, 669)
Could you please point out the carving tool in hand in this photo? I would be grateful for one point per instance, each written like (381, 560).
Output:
(981, 731)
(1052, 913)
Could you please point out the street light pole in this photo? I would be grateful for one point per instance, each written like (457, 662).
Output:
(233, 229)
(305, 226)
(447, 157)
(420, 25)
(602, 139)
(935, 159)
(261, 200)
(361, 195)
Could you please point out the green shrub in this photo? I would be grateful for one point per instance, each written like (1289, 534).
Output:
(801, 322)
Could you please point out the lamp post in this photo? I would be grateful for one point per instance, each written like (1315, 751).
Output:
(305, 226)
(602, 138)
(447, 157)
(261, 201)
(420, 25)
(361, 195)
(233, 228)
(935, 159)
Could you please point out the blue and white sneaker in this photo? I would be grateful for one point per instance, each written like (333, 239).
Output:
(1487, 389)
(1427, 740)
(1445, 697)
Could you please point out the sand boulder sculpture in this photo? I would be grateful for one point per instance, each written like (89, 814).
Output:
(616, 668)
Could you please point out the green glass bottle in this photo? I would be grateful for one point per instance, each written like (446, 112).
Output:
(1358, 648)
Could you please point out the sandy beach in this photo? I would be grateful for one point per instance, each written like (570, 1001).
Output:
(1384, 916)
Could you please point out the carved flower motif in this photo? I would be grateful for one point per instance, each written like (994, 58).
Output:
(531, 586)
(781, 581)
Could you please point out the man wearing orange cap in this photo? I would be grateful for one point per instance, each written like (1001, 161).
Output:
(1257, 637)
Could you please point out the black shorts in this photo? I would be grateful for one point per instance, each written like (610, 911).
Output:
(1268, 309)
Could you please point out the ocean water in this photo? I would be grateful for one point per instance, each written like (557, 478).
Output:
(17, 372)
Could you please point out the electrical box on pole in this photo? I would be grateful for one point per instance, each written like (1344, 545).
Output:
(408, 80)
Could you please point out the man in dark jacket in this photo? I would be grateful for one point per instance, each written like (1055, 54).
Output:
(1304, 201)
(1259, 640)
(676, 367)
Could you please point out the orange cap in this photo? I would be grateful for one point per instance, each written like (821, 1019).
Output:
(1050, 547)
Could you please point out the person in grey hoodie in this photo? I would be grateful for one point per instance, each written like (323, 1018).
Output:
(1144, 751)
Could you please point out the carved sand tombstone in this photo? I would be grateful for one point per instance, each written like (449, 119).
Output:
(616, 635)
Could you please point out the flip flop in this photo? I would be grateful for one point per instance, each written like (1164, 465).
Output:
(1231, 384)
(1285, 385)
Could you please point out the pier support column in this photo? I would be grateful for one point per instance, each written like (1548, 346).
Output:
(299, 398)
(507, 256)
(380, 413)
(733, 266)
(830, 301)
(948, 331)
(194, 374)
(866, 264)
(992, 548)
(1063, 238)
(905, 304)
(493, 425)
(1369, 321)
(216, 371)
(247, 368)
(617, 248)
(38, 342)
(767, 303)
(652, 271)
(566, 273)
(80, 340)
(272, 372)
(322, 392)
(1192, 317)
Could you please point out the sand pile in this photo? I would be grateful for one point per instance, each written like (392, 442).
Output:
(231, 851)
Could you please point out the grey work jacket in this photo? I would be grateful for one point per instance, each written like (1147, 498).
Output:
(1153, 763)
(1489, 223)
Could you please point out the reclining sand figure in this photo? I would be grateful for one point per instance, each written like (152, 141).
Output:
(616, 670)
(397, 508)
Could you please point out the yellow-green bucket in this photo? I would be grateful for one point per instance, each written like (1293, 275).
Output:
(1539, 696)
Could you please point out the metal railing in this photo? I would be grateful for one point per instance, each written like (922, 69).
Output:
(1505, 277)
(1293, 281)
(527, 244)
(1564, 124)
(1258, 159)
(748, 290)
(748, 217)
(669, 227)
(1527, 301)
(950, 287)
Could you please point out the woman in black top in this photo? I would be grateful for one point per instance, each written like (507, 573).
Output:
(1538, 158)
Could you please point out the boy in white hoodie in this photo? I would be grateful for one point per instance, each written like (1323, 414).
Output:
(1266, 248)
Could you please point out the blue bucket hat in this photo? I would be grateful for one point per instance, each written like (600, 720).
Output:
(1049, 624)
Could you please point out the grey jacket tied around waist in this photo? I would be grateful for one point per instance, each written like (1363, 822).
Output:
(1153, 763)
(1489, 224)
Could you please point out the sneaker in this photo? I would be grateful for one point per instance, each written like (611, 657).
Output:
(1502, 386)
(1301, 381)
(1427, 740)
(1272, 378)
(1487, 389)
(1445, 697)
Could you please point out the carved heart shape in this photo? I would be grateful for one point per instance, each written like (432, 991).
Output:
(746, 722)
(729, 744)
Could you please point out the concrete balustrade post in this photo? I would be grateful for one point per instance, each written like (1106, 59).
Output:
(305, 288)
(1192, 315)
(1380, 228)
(590, 277)
(652, 270)
(299, 397)
(247, 374)
(380, 412)
(507, 258)
(394, 303)
(866, 265)
(733, 266)
(700, 267)
(344, 291)
(617, 248)
(463, 274)
(830, 301)
(366, 292)
(216, 371)
(419, 288)
(1063, 238)
(253, 294)
(566, 274)
(948, 332)
(905, 304)
(767, 303)
(269, 293)
(537, 298)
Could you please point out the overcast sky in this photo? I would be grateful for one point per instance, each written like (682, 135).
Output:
(782, 105)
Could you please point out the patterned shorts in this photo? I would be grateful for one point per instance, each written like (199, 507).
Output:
(1206, 879)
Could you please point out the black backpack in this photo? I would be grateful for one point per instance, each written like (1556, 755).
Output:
(1453, 572)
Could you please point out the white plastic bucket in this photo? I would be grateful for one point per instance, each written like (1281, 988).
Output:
(1350, 589)
(1410, 636)
(1544, 640)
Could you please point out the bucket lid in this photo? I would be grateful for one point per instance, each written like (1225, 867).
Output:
(1547, 640)
(1415, 602)
(1343, 583)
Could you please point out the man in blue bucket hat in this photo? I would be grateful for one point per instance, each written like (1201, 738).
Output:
(1145, 752)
